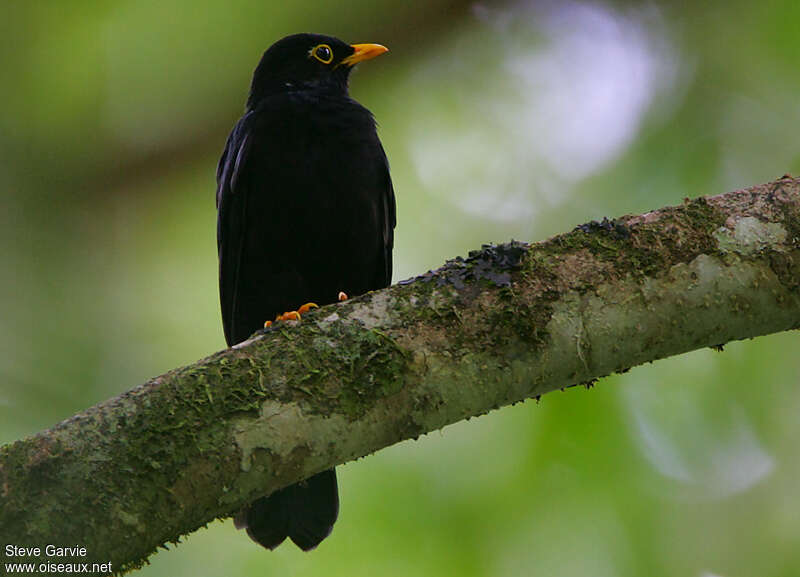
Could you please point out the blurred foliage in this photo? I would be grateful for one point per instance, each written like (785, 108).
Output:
(512, 119)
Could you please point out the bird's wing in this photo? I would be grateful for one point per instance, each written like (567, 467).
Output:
(231, 207)
(389, 221)
(234, 157)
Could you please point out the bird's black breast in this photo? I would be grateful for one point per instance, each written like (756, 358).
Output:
(305, 209)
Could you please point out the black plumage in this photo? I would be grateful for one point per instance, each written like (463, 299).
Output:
(305, 209)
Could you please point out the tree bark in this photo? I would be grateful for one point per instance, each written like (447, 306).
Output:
(507, 323)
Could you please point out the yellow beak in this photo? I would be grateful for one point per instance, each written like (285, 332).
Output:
(364, 52)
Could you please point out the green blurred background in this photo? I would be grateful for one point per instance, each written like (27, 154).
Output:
(501, 120)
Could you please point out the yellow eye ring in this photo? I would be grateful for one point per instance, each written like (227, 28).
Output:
(323, 53)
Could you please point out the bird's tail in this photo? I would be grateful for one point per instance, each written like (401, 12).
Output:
(304, 512)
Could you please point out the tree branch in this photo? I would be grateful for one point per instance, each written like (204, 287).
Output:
(510, 322)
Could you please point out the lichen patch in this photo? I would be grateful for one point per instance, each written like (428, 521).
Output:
(750, 236)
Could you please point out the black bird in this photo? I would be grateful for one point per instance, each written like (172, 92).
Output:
(305, 211)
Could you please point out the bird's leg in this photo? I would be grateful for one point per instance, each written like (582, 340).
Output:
(342, 296)
(293, 315)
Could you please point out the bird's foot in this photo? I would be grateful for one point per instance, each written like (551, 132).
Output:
(342, 296)
(293, 315)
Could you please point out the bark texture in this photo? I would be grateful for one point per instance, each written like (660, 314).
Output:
(509, 322)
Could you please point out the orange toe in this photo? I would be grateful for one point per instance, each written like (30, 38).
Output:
(342, 296)
(307, 307)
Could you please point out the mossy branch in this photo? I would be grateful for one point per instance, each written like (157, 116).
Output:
(510, 322)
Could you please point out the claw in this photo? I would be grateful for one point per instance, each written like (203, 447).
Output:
(342, 296)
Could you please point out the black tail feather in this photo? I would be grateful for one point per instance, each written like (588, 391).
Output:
(304, 512)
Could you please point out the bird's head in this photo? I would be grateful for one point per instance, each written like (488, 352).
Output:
(308, 61)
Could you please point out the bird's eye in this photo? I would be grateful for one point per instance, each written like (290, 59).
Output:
(323, 53)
